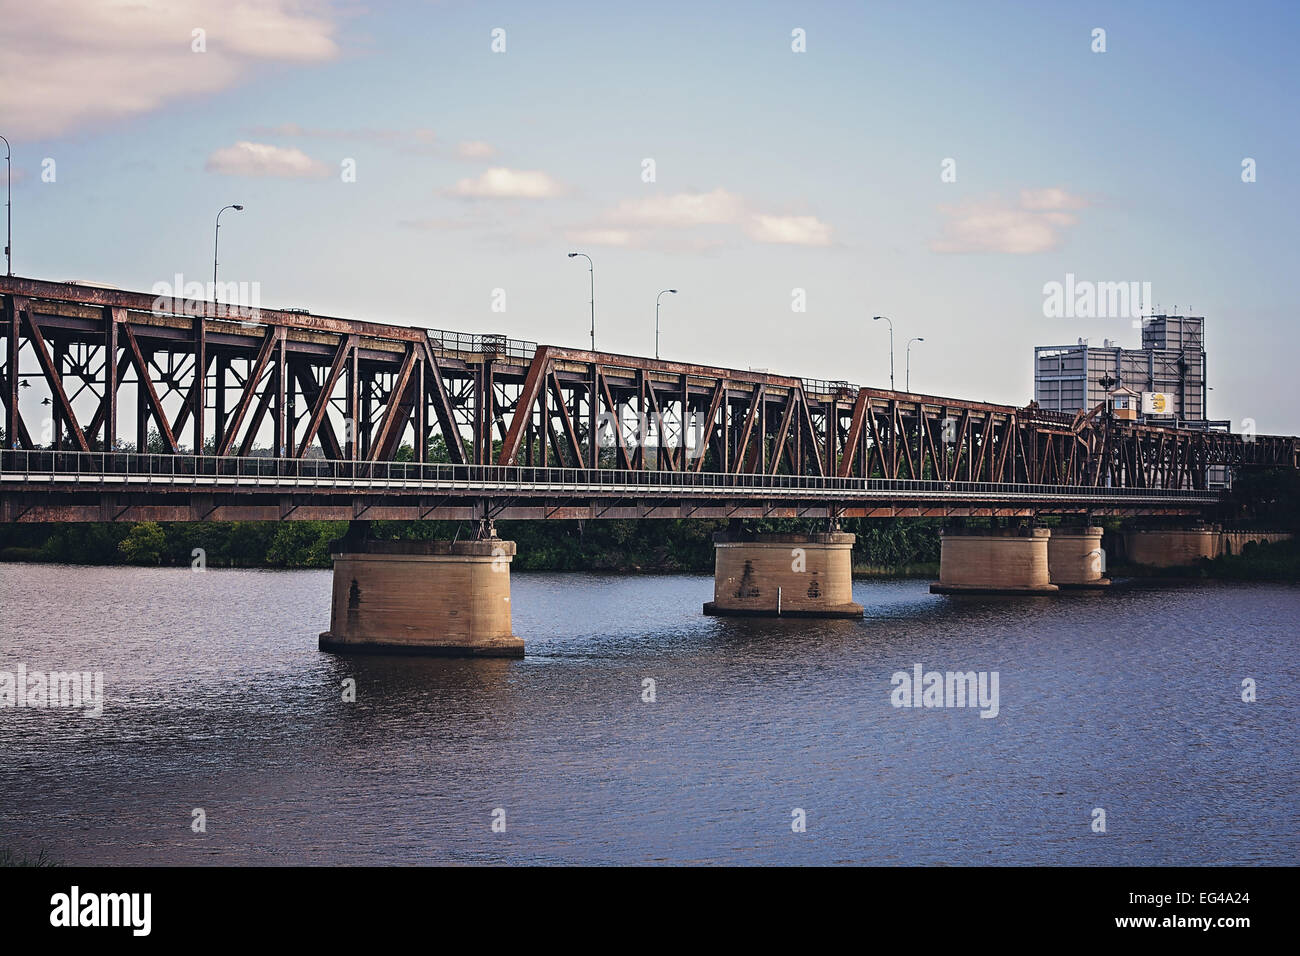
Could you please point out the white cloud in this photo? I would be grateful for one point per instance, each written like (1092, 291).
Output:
(418, 137)
(650, 220)
(601, 237)
(1029, 225)
(420, 140)
(1051, 198)
(682, 209)
(475, 149)
(70, 64)
(501, 183)
(262, 159)
(790, 230)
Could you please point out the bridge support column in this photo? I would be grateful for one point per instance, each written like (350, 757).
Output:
(422, 597)
(783, 575)
(1171, 547)
(1075, 559)
(994, 561)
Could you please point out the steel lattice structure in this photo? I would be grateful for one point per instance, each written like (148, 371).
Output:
(124, 371)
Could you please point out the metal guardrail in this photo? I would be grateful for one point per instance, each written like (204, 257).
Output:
(132, 468)
(819, 386)
(491, 344)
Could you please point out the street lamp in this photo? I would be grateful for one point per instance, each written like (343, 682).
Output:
(591, 268)
(217, 238)
(908, 380)
(657, 298)
(877, 318)
(9, 199)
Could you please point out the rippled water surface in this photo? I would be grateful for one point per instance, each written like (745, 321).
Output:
(216, 697)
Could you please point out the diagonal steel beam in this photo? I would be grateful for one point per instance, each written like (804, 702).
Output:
(316, 394)
(853, 438)
(390, 429)
(618, 421)
(539, 371)
(255, 374)
(341, 356)
(437, 389)
(54, 379)
(151, 394)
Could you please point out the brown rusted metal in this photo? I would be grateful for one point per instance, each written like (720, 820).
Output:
(401, 386)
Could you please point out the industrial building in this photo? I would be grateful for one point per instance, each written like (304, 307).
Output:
(1168, 371)
(1163, 382)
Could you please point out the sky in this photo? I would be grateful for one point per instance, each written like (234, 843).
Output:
(792, 169)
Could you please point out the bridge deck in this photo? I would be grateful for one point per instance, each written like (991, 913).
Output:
(47, 485)
(187, 408)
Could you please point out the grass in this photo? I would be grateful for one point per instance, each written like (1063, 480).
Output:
(10, 857)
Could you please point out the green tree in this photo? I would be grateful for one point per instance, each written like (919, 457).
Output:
(146, 544)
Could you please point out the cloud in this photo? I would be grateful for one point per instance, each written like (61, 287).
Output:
(411, 140)
(71, 64)
(475, 149)
(435, 224)
(652, 220)
(682, 209)
(501, 183)
(262, 159)
(601, 237)
(791, 230)
(1031, 224)
(1047, 199)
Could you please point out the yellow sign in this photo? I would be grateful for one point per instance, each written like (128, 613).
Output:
(1156, 403)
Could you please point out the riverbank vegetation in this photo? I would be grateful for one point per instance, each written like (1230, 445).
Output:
(895, 547)
(890, 547)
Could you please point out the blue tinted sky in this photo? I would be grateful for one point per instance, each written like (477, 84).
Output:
(775, 171)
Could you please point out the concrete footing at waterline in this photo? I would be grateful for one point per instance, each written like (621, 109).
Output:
(442, 598)
(1075, 559)
(1179, 547)
(783, 575)
(1011, 561)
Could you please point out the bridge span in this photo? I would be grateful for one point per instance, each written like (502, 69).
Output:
(127, 406)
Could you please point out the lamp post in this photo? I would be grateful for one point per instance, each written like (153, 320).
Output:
(657, 298)
(216, 238)
(9, 199)
(591, 268)
(877, 318)
(908, 380)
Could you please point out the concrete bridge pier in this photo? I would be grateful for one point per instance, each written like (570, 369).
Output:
(783, 575)
(1075, 559)
(1186, 545)
(1171, 547)
(441, 598)
(994, 561)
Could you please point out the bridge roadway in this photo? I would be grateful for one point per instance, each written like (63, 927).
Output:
(125, 486)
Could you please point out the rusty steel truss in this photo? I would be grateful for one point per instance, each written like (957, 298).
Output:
(118, 370)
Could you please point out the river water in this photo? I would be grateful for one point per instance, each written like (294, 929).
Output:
(217, 700)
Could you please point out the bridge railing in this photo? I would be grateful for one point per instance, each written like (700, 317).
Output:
(136, 468)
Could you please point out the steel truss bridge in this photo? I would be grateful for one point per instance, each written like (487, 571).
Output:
(234, 413)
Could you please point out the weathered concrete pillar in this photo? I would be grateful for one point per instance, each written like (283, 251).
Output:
(1075, 559)
(783, 575)
(1170, 547)
(1231, 542)
(994, 561)
(422, 597)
